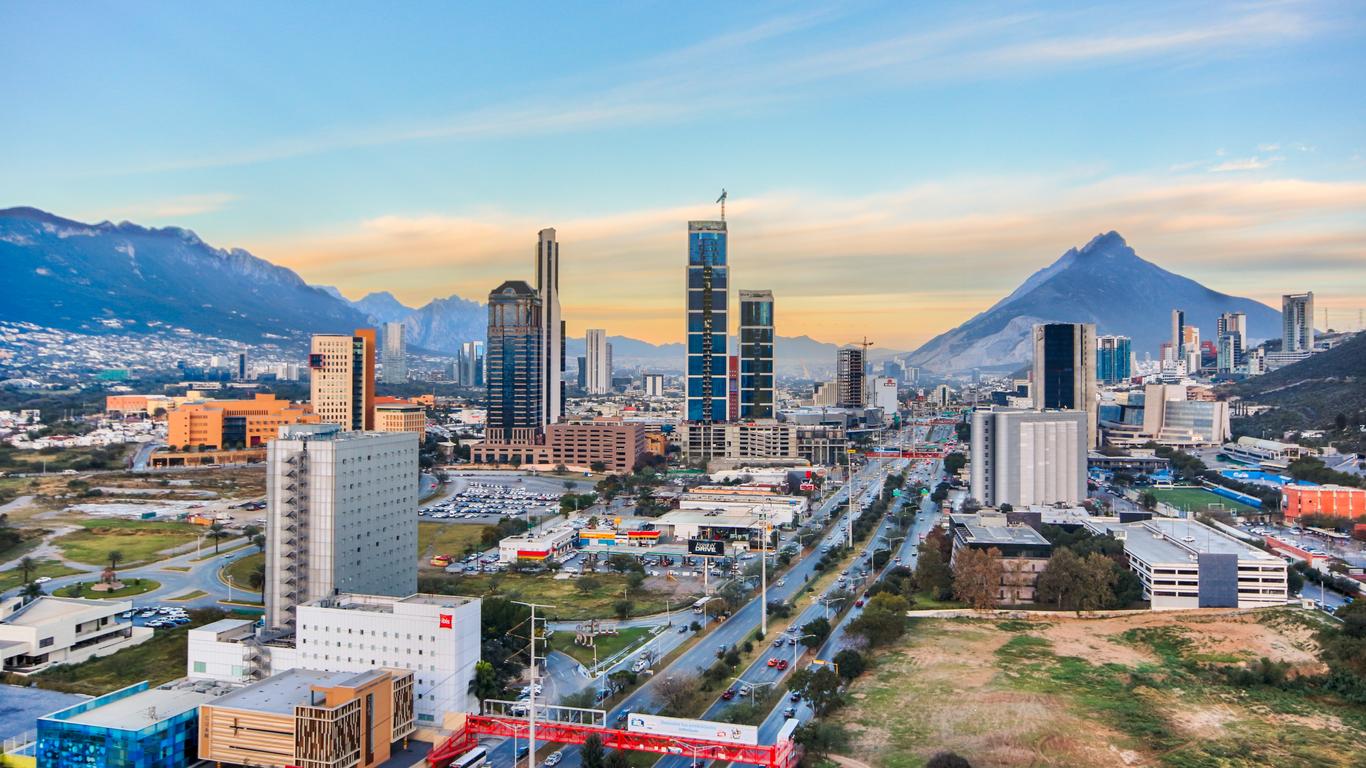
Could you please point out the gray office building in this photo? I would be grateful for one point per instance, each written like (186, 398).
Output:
(1022, 457)
(756, 354)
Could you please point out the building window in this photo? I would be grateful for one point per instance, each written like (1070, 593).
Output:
(200, 667)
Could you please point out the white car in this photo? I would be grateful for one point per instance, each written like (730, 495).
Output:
(554, 758)
(42, 580)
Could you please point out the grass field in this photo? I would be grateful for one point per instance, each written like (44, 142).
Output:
(239, 571)
(159, 660)
(195, 595)
(445, 539)
(570, 603)
(1199, 500)
(1136, 690)
(131, 587)
(139, 541)
(51, 568)
(607, 645)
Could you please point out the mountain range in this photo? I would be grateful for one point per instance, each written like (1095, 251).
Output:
(1104, 282)
(125, 278)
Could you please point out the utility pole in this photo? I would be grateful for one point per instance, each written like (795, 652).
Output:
(763, 576)
(531, 703)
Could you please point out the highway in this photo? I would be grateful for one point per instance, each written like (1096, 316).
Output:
(730, 632)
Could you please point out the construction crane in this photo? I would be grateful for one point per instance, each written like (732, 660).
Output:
(722, 201)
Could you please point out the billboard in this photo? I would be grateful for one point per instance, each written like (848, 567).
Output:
(707, 547)
(683, 728)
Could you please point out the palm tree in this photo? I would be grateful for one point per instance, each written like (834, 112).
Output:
(217, 533)
(115, 557)
(27, 566)
(260, 541)
(32, 591)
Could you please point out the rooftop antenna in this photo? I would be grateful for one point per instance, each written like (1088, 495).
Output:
(722, 201)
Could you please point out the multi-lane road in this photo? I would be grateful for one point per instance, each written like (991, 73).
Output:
(733, 631)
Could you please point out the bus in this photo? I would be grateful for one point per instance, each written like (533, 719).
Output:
(475, 758)
(701, 605)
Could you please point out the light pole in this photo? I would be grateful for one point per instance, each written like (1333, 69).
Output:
(752, 686)
(797, 649)
(704, 610)
(827, 601)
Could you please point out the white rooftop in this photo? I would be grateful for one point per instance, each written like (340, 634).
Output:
(149, 707)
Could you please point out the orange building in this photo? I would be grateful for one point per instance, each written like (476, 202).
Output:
(1331, 500)
(342, 374)
(656, 443)
(399, 416)
(305, 718)
(222, 423)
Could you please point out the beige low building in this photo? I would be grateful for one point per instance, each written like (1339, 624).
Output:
(63, 630)
(310, 719)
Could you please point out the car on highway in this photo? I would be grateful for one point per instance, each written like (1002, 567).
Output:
(790, 712)
(795, 697)
(773, 662)
(42, 580)
(728, 694)
(554, 758)
(782, 665)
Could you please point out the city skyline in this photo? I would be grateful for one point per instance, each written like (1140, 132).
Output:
(971, 145)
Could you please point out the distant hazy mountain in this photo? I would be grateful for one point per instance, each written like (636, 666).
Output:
(444, 324)
(382, 307)
(99, 278)
(1105, 283)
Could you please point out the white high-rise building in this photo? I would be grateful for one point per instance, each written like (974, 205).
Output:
(552, 358)
(883, 395)
(654, 384)
(1297, 320)
(434, 636)
(1028, 457)
(342, 516)
(394, 354)
(598, 358)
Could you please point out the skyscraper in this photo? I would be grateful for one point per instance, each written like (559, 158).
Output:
(515, 354)
(1297, 320)
(341, 516)
(1178, 335)
(552, 327)
(707, 322)
(342, 370)
(470, 365)
(598, 359)
(1065, 370)
(1230, 341)
(1113, 359)
(240, 373)
(756, 354)
(395, 356)
(849, 377)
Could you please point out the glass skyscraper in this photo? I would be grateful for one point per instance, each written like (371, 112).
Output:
(1113, 359)
(756, 354)
(513, 362)
(708, 321)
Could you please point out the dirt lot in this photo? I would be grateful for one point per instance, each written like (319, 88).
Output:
(1121, 692)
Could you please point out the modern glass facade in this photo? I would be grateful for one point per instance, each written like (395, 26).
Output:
(708, 321)
(1113, 359)
(756, 354)
(170, 742)
(514, 359)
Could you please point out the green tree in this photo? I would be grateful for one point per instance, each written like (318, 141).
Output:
(932, 573)
(586, 584)
(634, 580)
(820, 738)
(817, 630)
(622, 608)
(819, 686)
(883, 619)
(115, 557)
(217, 532)
(485, 684)
(31, 591)
(27, 566)
(591, 754)
(851, 663)
(617, 759)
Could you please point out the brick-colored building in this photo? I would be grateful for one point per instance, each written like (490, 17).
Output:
(616, 445)
(239, 423)
(1331, 500)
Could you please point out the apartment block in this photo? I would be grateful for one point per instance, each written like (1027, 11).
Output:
(1023, 457)
(342, 384)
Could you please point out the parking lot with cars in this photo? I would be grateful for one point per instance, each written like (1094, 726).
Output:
(486, 502)
(157, 617)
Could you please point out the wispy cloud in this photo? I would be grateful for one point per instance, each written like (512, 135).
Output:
(762, 63)
(1244, 164)
(175, 207)
(820, 253)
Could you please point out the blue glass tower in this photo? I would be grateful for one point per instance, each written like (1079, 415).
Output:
(1112, 359)
(514, 359)
(708, 321)
(756, 354)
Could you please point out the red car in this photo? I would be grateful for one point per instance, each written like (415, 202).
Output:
(858, 603)
(728, 694)
(773, 662)
(782, 665)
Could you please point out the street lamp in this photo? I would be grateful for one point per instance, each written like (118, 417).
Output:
(796, 649)
(827, 601)
(752, 686)
(710, 600)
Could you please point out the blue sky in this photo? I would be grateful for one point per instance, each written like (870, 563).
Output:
(893, 167)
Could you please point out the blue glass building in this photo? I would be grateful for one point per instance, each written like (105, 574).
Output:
(516, 406)
(1113, 359)
(756, 354)
(130, 728)
(708, 321)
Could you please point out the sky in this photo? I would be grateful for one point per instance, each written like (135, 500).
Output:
(892, 168)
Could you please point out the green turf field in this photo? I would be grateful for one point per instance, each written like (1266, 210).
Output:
(1200, 500)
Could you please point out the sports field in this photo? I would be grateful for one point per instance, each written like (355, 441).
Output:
(1200, 500)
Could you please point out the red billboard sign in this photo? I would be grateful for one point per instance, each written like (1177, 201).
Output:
(445, 619)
